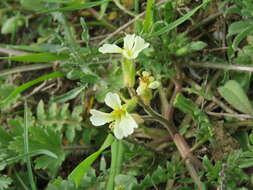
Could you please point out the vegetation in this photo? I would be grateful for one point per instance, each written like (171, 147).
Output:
(126, 94)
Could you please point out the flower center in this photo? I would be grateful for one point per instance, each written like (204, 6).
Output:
(129, 52)
(118, 113)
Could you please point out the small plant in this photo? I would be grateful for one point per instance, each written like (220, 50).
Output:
(126, 95)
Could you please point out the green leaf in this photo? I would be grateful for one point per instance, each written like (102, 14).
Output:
(233, 93)
(78, 173)
(31, 4)
(186, 105)
(27, 85)
(76, 6)
(30, 154)
(196, 46)
(247, 31)
(12, 24)
(69, 95)
(37, 57)
(238, 27)
(46, 139)
(179, 21)
(5, 182)
(5, 90)
(126, 181)
(148, 22)
(41, 115)
(85, 33)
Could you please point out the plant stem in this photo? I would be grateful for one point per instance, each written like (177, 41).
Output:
(116, 163)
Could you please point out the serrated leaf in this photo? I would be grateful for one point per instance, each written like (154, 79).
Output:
(46, 139)
(41, 115)
(77, 174)
(233, 93)
(52, 112)
(5, 182)
(70, 133)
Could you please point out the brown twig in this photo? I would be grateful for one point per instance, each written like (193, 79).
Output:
(238, 116)
(210, 65)
(25, 68)
(12, 52)
(184, 150)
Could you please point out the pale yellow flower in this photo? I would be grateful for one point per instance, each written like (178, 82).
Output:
(133, 45)
(147, 82)
(122, 124)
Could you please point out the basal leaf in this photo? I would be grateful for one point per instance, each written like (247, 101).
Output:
(233, 93)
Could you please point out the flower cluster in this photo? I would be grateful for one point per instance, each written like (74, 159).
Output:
(122, 123)
(147, 83)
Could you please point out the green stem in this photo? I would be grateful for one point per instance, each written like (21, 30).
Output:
(128, 68)
(116, 163)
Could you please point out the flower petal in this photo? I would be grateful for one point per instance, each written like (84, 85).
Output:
(99, 118)
(154, 85)
(139, 90)
(146, 73)
(127, 125)
(129, 41)
(117, 131)
(112, 100)
(110, 48)
(139, 45)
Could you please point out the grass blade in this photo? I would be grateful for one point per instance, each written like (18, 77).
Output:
(76, 6)
(179, 21)
(37, 57)
(149, 16)
(23, 87)
(30, 154)
(26, 148)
